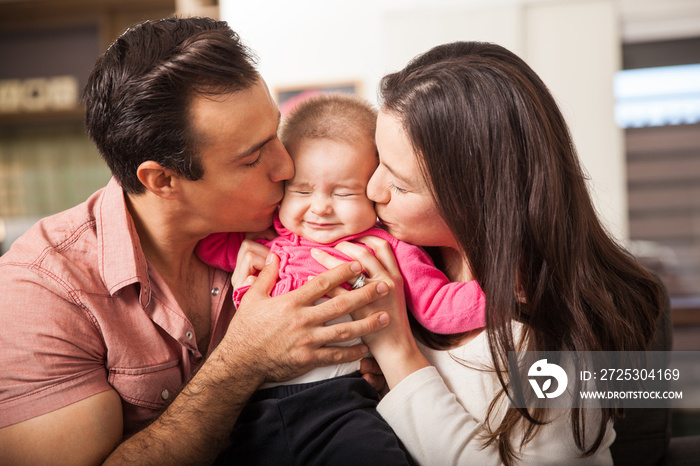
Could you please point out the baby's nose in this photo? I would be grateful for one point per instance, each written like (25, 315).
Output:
(321, 205)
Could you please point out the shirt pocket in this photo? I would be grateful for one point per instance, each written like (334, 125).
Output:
(148, 387)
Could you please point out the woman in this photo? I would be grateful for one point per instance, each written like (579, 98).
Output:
(476, 162)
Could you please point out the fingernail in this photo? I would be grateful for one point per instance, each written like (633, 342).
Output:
(268, 261)
(314, 252)
(382, 288)
(356, 267)
(364, 349)
(384, 318)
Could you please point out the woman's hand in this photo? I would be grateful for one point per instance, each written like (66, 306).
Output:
(251, 258)
(394, 347)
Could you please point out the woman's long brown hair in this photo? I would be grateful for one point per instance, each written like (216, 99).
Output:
(494, 147)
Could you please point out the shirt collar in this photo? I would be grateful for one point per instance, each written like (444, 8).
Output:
(121, 258)
(281, 229)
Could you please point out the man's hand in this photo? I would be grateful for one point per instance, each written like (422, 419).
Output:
(285, 336)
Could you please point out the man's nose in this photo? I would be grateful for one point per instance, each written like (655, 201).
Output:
(283, 168)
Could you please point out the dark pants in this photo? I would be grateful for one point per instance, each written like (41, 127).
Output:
(330, 422)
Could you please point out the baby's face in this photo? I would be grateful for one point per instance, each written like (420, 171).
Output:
(327, 198)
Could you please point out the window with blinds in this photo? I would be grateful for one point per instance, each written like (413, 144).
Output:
(663, 165)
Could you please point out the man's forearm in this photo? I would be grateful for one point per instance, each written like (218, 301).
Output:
(196, 425)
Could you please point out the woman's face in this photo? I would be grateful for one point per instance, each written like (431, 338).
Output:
(403, 198)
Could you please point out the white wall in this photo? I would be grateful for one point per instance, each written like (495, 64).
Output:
(573, 44)
(305, 42)
(576, 49)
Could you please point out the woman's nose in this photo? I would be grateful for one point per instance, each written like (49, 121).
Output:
(376, 190)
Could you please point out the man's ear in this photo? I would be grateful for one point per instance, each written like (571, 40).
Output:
(159, 180)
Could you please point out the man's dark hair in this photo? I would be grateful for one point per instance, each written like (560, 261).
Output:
(138, 93)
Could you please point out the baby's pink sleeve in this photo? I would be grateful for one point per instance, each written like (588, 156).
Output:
(439, 305)
(238, 294)
(220, 250)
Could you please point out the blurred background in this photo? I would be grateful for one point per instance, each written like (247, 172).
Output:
(626, 74)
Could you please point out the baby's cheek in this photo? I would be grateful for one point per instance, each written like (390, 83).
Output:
(368, 216)
(288, 214)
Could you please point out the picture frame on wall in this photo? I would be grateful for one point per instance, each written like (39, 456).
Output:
(289, 96)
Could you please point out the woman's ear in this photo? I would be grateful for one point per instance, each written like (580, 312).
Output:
(157, 179)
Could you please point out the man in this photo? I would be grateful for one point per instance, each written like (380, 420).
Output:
(105, 309)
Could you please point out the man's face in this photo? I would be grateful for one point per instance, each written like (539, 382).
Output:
(245, 164)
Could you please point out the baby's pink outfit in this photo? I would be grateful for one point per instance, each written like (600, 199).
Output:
(439, 305)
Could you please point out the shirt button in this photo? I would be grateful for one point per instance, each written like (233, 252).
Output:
(215, 292)
(188, 335)
(165, 394)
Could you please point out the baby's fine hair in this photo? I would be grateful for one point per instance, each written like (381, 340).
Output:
(339, 117)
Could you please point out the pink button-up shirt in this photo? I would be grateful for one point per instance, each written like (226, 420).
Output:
(82, 311)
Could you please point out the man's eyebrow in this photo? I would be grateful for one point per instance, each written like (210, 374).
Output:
(256, 147)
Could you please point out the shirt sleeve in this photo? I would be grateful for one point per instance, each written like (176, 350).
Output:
(432, 424)
(238, 294)
(51, 351)
(439, 305)
(220, 250)
(437, 429)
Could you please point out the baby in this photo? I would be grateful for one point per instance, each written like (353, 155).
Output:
(331, 141)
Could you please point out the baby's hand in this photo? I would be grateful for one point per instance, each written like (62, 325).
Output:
(250, 260)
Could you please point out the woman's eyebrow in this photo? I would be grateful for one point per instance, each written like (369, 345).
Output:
(395, 174)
